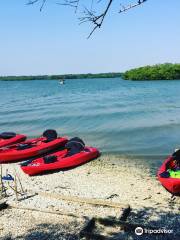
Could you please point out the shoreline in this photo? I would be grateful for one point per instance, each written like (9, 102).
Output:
(61, 76)
(127, 183)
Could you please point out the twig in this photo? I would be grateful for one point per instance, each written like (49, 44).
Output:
(89, 14)
(35, 1)
(44, 211)
(15, 187)
(128, 7)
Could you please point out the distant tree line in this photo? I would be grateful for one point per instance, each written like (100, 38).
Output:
(165, 71)
(64, 76)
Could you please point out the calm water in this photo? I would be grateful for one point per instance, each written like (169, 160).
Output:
(125, 117)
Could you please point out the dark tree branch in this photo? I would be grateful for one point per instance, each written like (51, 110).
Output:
(96, 20)
(90, 14)
(35, 1)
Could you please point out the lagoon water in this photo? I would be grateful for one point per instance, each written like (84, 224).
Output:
(118, 116)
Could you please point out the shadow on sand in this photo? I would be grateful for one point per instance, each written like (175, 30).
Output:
(147, 218)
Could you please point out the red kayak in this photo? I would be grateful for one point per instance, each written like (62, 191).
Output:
(59, 160)
(33, 147)
(8, 138)
(172, 185)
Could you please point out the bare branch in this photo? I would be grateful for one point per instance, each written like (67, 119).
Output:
(126, 8)
(32, 2)
(89, 14)
(70, 3)
(35, 1)
(96, 20)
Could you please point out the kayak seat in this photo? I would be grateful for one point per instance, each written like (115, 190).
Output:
(50, 159)
(74, 145)
(26, 163)
(165, 174)
(176, 154)
(86, 150)
(24, 146)
(50, 135)
(7, 135)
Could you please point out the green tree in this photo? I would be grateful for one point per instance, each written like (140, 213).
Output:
(165, 71)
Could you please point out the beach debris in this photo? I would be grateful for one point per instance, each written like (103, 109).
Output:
(91, 201)
(60, 202)
(112, 196)
(173, 197)
(148, 197)
(33, 209)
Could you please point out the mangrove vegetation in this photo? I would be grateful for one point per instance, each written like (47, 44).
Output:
(63, 76)
(167, 71)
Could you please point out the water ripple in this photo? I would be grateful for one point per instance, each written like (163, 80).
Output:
(115, 115)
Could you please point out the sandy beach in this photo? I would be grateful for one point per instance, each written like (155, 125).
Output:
(124, 183)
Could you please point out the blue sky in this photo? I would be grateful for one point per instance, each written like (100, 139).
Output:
(52, 41)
